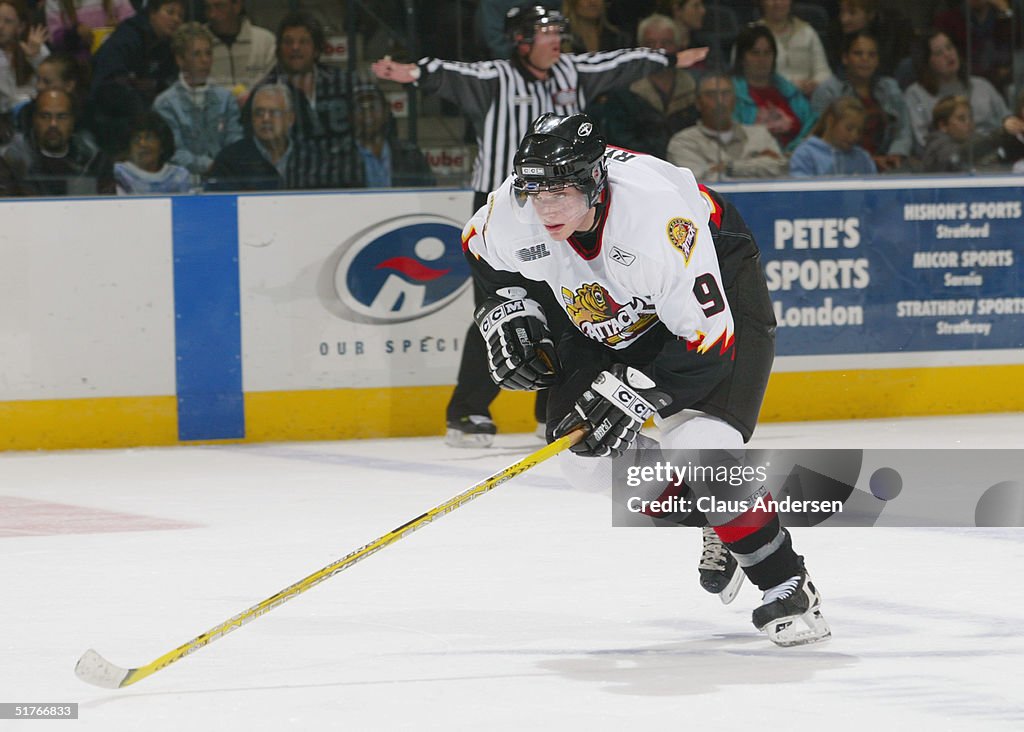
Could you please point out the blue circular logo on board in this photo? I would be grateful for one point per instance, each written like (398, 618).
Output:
(397, 270)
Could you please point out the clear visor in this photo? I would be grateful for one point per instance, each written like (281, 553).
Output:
(549, 205)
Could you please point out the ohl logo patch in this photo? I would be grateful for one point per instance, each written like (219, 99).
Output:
(397, 270)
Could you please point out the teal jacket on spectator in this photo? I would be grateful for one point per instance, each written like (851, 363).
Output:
(746, 110)
(814, 157)
(203, 124)
(898, 138)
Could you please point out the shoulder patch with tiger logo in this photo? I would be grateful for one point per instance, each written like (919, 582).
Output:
(682, 234)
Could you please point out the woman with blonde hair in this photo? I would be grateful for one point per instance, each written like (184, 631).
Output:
(832, 148)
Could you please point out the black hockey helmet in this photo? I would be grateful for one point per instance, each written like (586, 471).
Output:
(560, 151)
(522, 20)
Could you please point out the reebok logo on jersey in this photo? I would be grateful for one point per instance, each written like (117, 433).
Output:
(622, 257)
(682, 234)
(529, 254)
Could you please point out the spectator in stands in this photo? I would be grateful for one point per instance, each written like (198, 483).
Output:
(492, 37)
(22, 49)
(717, 147)
(59, 71)
(389, 161)
(325, 154)
(690, 17)
(887, 135)
(148, 168)
(627, 14)
(261, 161)
(204, 117)
(132, 67)
(51, 159)
(940, 73)
(689, 14)
(1015, 144)
(76, 26)
(242, 52)
(590, 29)
(832, 148)
(991, 42)
(764, 96)
(644, 115)
(800, 55)
(893, 31)
(953, 145)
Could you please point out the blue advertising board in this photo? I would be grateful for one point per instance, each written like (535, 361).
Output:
(891, 269)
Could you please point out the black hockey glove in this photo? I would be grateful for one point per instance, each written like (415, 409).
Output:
(614, 408)
(520, 352)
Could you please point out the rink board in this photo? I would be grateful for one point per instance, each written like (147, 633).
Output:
(155, 321)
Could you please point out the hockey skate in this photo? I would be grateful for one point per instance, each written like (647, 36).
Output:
(790, 613)
(719, 572)
(475, 430)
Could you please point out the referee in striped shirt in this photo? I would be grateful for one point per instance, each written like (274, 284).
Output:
(501, 98)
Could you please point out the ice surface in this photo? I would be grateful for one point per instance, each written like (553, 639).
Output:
(524, 609)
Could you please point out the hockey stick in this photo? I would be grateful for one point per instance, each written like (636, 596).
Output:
(94, 669)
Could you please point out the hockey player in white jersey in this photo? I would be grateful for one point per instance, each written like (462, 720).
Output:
(668, 312)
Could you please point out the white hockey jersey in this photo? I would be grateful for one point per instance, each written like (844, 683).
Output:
(655, 258)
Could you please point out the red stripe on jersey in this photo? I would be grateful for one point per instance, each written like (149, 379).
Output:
(728, 340)
(626, 149)
(716, 210)
(745, 524)
(466, 237)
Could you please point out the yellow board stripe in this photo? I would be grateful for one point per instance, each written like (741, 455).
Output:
(340, 414)
(61, 424)
(877, 393)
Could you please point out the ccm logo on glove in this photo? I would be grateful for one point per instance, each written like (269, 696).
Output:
(633, 404)
(500, 313)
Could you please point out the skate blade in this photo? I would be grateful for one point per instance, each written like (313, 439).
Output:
(799, 630)
(456, 438)
(733, 588)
